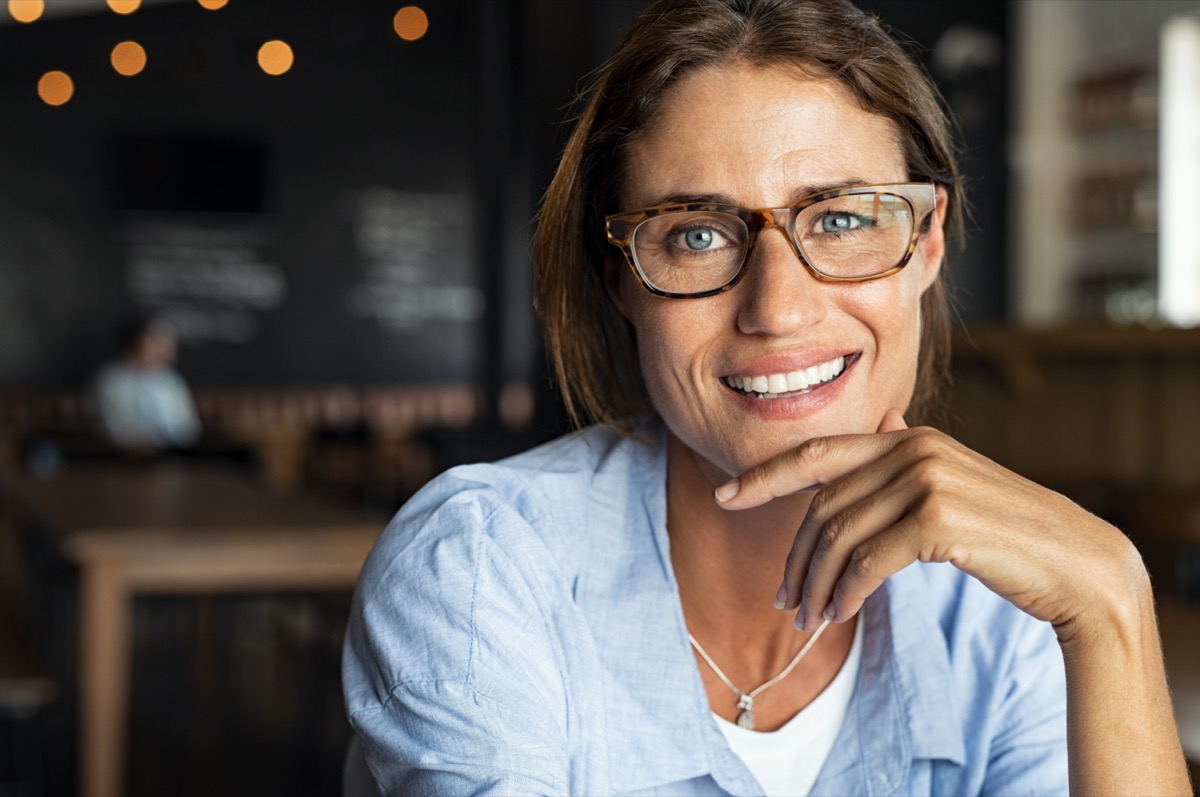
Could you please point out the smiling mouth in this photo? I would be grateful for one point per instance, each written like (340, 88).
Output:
(792, 383)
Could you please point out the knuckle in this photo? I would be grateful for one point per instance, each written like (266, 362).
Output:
(822, 502)
(863, 563)
(934, 511)
(833, 531)
(756, 480)
(927, 471)
(813, 450)
(926, 442)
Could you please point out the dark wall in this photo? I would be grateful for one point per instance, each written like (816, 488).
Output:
(356, 262)
(374, 225)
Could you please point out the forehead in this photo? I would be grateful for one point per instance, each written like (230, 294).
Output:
(759, 137)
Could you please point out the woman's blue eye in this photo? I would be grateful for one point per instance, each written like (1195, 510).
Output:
(838, 222)
(700, 238)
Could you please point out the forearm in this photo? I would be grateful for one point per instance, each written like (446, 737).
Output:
(1121, 732)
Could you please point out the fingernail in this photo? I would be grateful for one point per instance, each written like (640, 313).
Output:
(830, 614)
(798, 623)
(726, 491)
(781, 597)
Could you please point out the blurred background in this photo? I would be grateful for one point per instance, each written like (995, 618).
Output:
(328, 207)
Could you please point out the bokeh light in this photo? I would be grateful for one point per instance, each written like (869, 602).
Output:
(410, 23)
(128, 58)
(275, 57)
(124, 6)
(213, 5)
(55, 87)
(26, 10)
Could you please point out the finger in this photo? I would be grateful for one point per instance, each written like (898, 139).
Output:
(828, 503)
(892, 421)
(870, 506)
(810, 466)
(873, 562)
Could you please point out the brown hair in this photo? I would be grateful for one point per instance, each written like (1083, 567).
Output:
(590, 344)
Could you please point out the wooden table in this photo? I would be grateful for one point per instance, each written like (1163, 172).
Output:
(172, 529)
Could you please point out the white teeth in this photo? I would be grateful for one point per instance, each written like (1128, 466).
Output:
(791, 382)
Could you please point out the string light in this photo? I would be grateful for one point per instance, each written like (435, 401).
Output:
(275, 57)
(129, 58)
(26, 10)
(212, 5)
(55, 87)
(410, 23)
(124, 6)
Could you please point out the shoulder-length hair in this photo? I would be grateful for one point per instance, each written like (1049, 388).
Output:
(591, 346)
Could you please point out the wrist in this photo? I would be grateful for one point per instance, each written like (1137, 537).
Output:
(1118, 613)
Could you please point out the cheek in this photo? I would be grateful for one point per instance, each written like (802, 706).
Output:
(893, 313)
(673, 338)
(891, 307)
(654, 332)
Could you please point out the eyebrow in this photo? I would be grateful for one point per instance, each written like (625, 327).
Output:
(724, 199)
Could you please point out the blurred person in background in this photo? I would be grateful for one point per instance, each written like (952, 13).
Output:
(145, 406)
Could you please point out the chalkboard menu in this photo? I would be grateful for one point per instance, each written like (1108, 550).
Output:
(313, 227)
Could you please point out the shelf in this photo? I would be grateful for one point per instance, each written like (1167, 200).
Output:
(1084, 341)
(1020, 356)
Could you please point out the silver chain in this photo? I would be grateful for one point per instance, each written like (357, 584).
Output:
(754, 692)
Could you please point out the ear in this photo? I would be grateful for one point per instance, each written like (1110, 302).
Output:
(932, 244)
(616, 286)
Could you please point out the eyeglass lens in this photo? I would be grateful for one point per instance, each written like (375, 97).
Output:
(851, 237)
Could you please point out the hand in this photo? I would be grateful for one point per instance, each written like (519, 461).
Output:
(885, 500)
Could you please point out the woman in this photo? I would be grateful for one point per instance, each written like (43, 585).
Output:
(606, 614)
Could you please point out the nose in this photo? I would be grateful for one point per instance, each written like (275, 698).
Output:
(778, 295)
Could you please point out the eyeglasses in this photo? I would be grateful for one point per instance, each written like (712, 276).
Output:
(693, 250)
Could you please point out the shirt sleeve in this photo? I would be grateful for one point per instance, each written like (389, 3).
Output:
(453, 681)
(1028, 755)
(117, 407)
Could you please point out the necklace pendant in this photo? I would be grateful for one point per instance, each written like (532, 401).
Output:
(746, 718)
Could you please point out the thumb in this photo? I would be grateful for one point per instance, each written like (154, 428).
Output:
(892, 421)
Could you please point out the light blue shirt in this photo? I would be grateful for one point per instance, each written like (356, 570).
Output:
(146, 407)
(518, 630)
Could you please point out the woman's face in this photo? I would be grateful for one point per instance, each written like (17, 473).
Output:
(758, 138)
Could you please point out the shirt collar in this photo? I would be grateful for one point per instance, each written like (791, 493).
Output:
(899, 711)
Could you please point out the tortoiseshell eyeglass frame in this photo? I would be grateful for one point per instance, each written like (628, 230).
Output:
(620, 227)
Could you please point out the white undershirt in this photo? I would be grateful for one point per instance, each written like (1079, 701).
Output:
(786, 761)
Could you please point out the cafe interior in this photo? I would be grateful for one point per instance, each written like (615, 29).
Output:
(329, 205)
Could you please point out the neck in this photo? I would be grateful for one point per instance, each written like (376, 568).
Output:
(729, 565)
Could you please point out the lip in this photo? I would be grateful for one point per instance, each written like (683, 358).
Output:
(803, 403)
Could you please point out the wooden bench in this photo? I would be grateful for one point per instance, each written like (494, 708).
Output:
(276, 424)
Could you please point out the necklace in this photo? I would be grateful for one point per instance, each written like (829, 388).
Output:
(746, 699)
